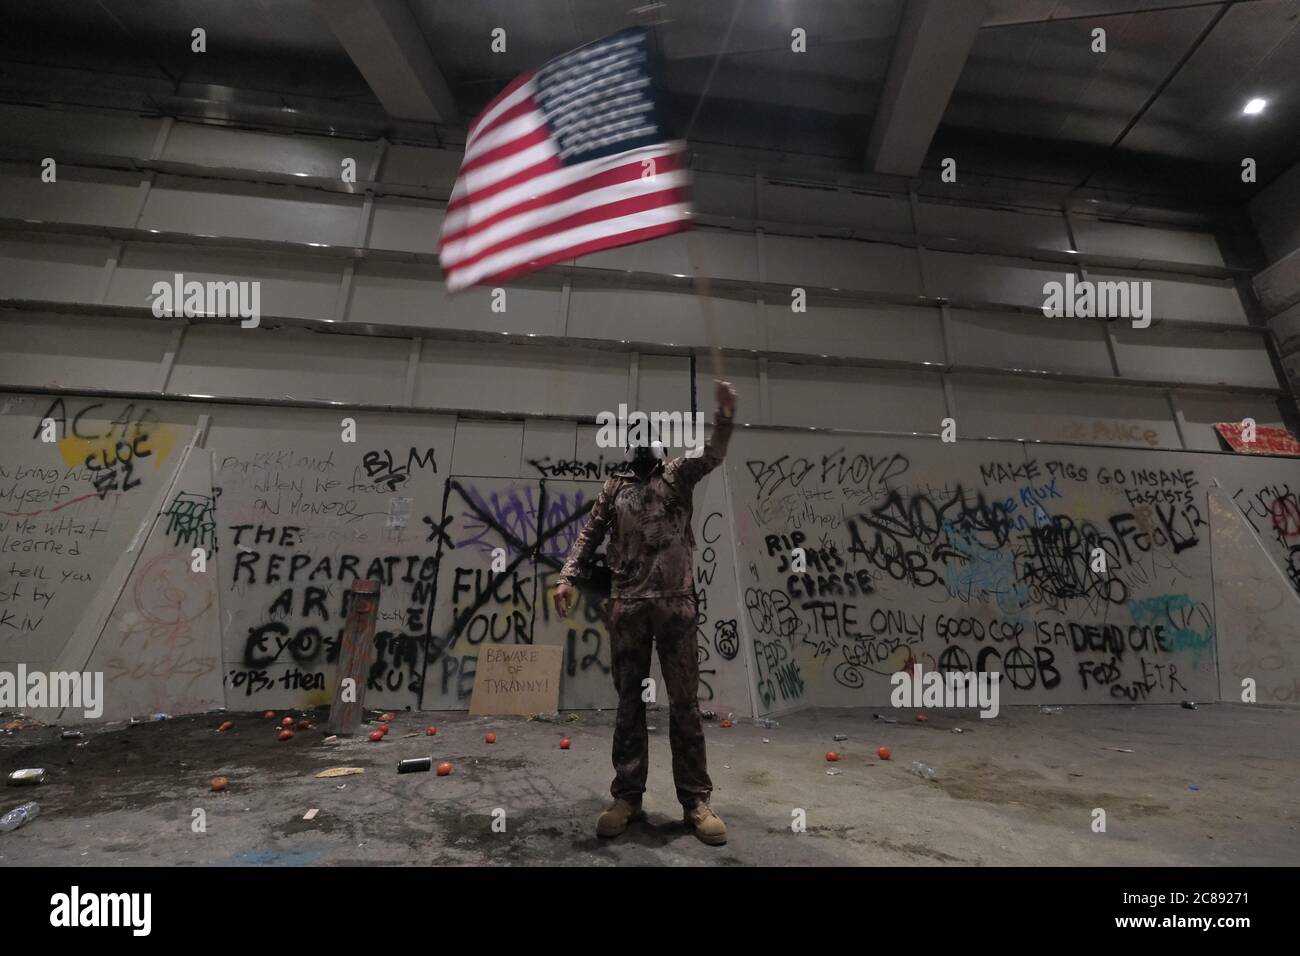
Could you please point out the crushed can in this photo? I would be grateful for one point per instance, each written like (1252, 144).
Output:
(415, 765)
(29, 777)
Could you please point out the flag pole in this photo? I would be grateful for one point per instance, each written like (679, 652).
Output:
(701, 278)
(702, 292)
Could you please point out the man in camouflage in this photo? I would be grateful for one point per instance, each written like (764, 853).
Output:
(645, 511)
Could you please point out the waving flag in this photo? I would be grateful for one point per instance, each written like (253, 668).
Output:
(568, 160)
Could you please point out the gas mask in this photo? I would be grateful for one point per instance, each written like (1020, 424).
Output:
(643, 458)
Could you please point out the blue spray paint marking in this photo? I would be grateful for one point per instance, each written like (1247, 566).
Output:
(979, 571)
(1176, 613)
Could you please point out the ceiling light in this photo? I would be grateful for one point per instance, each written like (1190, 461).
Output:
(1255, 106)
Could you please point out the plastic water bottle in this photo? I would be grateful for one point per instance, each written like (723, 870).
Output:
(18, 816)
(923, 770)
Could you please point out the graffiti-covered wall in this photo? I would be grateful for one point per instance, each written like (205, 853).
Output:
(824, 563)
(1082, 575)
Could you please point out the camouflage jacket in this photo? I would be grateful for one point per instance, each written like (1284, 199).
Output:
(648, 524)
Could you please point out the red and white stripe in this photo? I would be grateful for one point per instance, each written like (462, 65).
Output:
(516, 207)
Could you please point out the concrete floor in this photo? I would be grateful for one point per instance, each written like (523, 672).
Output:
(1016, 790)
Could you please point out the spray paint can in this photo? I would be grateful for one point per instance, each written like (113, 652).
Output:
(415, 765)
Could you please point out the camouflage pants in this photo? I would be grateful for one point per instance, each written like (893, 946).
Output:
(669, 623)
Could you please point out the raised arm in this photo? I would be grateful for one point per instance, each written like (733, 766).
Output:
(691, 470)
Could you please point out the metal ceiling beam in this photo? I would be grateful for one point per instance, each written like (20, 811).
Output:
(930, 50)
(385, 42)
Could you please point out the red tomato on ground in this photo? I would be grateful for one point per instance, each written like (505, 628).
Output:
(444, 769)
(432, 731)
(376, 736)
(491, 738)
(564, 744)
(286, 735)
(832, 756)
(883, 753)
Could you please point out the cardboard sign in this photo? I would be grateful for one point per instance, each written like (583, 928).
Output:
(1268, 441)
(517, 679)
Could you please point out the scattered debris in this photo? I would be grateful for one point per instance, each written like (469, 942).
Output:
(444, 768)
(332, 739)
(923, 770)
(766, 740)
(21, 722)
(1192, 786)
(550, 717)
(218, 784)
(72, 735)
(1050, 710)
(840, 737)
(415, 765)
(888, 720)
(340, 772)
(572, 718)
(226, 726)
(1189, 705)
(311, 814)
(18, 816)
(1075, 773)
(832, 773)
(1121, 750)
(161, 716)
(408, 736)
(884, 753)
(708, 715)
(29, 777)
(342, 786)
(766, 723)
(564, 744)
(958, 730)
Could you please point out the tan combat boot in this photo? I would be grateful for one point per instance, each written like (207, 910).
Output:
(615, 820)
(708, 826)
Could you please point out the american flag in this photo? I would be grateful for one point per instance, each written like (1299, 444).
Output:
(568, 160)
